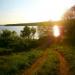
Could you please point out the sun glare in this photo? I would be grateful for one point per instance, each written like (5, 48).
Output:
(56, 31)
(51, 9)
(33, 10)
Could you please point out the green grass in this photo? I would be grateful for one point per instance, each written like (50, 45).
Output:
(50, 67)
(69, 54)
(13, 64)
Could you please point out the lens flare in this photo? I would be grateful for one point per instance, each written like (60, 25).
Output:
(56, 31)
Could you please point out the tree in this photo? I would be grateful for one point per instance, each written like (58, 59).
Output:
(8, 38)
(70, 14)
(5, 37)
(26, 32)
(33, 31)
(45, 34)
(69, 26)
(44, 29)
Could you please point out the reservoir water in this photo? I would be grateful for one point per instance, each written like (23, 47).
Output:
(18, 29)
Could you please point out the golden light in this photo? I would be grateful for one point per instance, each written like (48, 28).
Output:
(34, 11)
(48, 10)
(56, 31)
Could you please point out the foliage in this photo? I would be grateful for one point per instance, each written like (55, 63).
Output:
(6, 37)
(10, 39)
(50, 67)
(13, 64)
(44, 29)
(69, 54)
(26, 32)
(45, 41)
(33, 31)
(69, 26)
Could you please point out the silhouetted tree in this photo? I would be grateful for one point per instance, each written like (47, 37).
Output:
(70, 14)
(33, 31)
(45, 34)
(8, 38)
(69, 26)
(26, 32)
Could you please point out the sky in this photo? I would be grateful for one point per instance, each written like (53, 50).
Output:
(25, 11)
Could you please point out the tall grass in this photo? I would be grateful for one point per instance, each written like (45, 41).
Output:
(50, 67)
(14, 63)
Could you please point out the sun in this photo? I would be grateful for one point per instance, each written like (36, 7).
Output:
(33, 10)
(56, 31)
(51, 10)
(56, 9)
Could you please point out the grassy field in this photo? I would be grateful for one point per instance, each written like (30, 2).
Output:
(14, 63)
(69, 54)
(51, 66)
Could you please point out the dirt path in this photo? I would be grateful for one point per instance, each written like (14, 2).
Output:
(35, 67)
(63, 64)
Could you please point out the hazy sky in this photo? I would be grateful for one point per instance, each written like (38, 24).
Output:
(22, 11)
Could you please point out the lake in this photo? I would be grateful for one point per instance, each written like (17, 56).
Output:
(18, 29)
